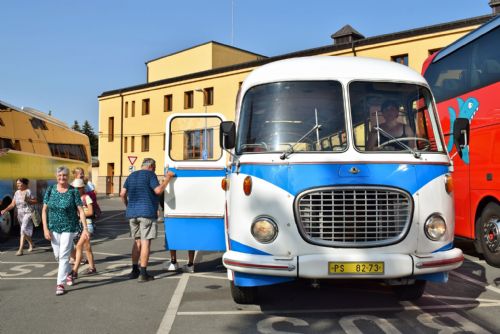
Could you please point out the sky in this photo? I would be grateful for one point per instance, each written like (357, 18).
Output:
(60, 55)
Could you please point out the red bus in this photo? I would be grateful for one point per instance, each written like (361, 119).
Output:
(464, 78)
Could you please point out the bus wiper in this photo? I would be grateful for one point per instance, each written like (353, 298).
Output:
(416, 154)
(289, 151)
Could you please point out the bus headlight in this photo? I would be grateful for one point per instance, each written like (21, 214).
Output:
(435, 227)
(264, 230)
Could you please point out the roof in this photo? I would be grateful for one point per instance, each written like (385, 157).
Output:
(343, 69)
(311, 52)
(214, 42)
(346, 31)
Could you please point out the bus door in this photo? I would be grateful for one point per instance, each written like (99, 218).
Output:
(194, 199)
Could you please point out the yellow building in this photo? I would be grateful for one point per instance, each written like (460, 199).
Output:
(206, 78)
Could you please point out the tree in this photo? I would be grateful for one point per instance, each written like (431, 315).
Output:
(93, 139)
(76, 126)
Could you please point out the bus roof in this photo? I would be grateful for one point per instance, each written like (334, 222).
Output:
(341, 68)
(34, 113)
(466, 39)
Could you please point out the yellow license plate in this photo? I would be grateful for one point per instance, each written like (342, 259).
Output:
(336, 268)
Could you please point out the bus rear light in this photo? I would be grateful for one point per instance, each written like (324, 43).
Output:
(448, 183)
(247, 185)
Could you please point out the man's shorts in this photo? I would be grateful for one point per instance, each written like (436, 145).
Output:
(143, 228)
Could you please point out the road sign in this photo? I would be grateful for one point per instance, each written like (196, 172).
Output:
(132, 159)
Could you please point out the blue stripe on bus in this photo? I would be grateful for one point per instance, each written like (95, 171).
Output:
(296, 178)
(198, 173)
(205, 234)
(248, 280)
(444, 248)
(239, 247)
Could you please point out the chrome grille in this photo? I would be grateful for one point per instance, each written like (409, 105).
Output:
(354, 216)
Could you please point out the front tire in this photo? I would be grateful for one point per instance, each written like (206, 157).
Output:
(489, 234)
(243, 294)
(410, 291)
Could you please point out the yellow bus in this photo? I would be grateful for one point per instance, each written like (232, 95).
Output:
(32, 145)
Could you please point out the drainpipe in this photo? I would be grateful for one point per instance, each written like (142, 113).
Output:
(121, 143)
(353, 49)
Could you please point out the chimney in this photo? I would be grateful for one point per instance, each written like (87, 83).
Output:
(347, 35)
(495, 6)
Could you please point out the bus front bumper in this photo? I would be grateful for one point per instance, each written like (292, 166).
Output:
(352, 264)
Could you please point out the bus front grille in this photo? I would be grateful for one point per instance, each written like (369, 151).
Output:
(353, 216)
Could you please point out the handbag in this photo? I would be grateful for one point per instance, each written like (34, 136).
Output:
(35, 217)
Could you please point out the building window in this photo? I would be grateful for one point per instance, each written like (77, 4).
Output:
(1, 122)
(167, 103)
(432, 51)
(111, 129)
(145, 143)
(132, 144)
(401, 59)
(208, 96)
(126, 109)
(132, 112)
(188, 99)
(145, 107)
(125, 144)
(199, 144)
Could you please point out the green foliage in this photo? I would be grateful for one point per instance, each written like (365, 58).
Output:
(89, 131)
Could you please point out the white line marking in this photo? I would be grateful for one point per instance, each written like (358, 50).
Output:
(108, 218)
(344, 310)
(461, 298)
(175, 301)
(479, 283)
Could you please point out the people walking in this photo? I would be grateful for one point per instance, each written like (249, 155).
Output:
(62, 209)
(84, 243)
(140, 196)
(23, 202)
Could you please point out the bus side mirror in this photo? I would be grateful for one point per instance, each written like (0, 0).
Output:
(227, 137)
(461, 130)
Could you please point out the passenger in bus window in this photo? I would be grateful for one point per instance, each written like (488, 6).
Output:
(140, 196)
(23, 202)
(391, 126)
(60, 223)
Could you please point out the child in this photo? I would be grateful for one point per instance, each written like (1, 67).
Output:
(83, 242)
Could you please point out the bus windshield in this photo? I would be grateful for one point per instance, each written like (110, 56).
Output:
(390, 116)
(303, 116)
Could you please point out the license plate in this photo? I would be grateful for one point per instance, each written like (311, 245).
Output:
(336, 268)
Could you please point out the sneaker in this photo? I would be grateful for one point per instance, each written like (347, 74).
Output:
(172, 266)
(91, 271)
(188, 268)
(145, 278)
(69, 279)
(133, 274)
(60, 290)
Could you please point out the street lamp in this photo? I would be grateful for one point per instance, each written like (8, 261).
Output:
(205, 139)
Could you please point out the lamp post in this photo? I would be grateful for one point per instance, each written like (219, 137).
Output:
(204, 153)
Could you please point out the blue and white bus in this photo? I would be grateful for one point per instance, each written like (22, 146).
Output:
(322, 183)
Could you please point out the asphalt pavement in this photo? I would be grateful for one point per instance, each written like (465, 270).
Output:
(109, 302)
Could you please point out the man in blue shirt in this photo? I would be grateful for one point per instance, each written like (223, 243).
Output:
(140, 196)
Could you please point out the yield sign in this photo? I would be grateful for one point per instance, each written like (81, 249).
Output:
(132, 159)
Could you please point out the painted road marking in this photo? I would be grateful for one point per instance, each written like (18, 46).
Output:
(173, 306)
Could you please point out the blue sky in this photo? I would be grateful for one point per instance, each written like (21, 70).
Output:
(60, 55)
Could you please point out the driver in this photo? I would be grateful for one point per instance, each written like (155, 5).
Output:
(391, 125)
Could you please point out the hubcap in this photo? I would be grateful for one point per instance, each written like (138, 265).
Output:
(492, 234)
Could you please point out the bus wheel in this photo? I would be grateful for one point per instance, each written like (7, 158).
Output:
(244, 294)
(489, 234)
(410, 291)
(5, 226)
